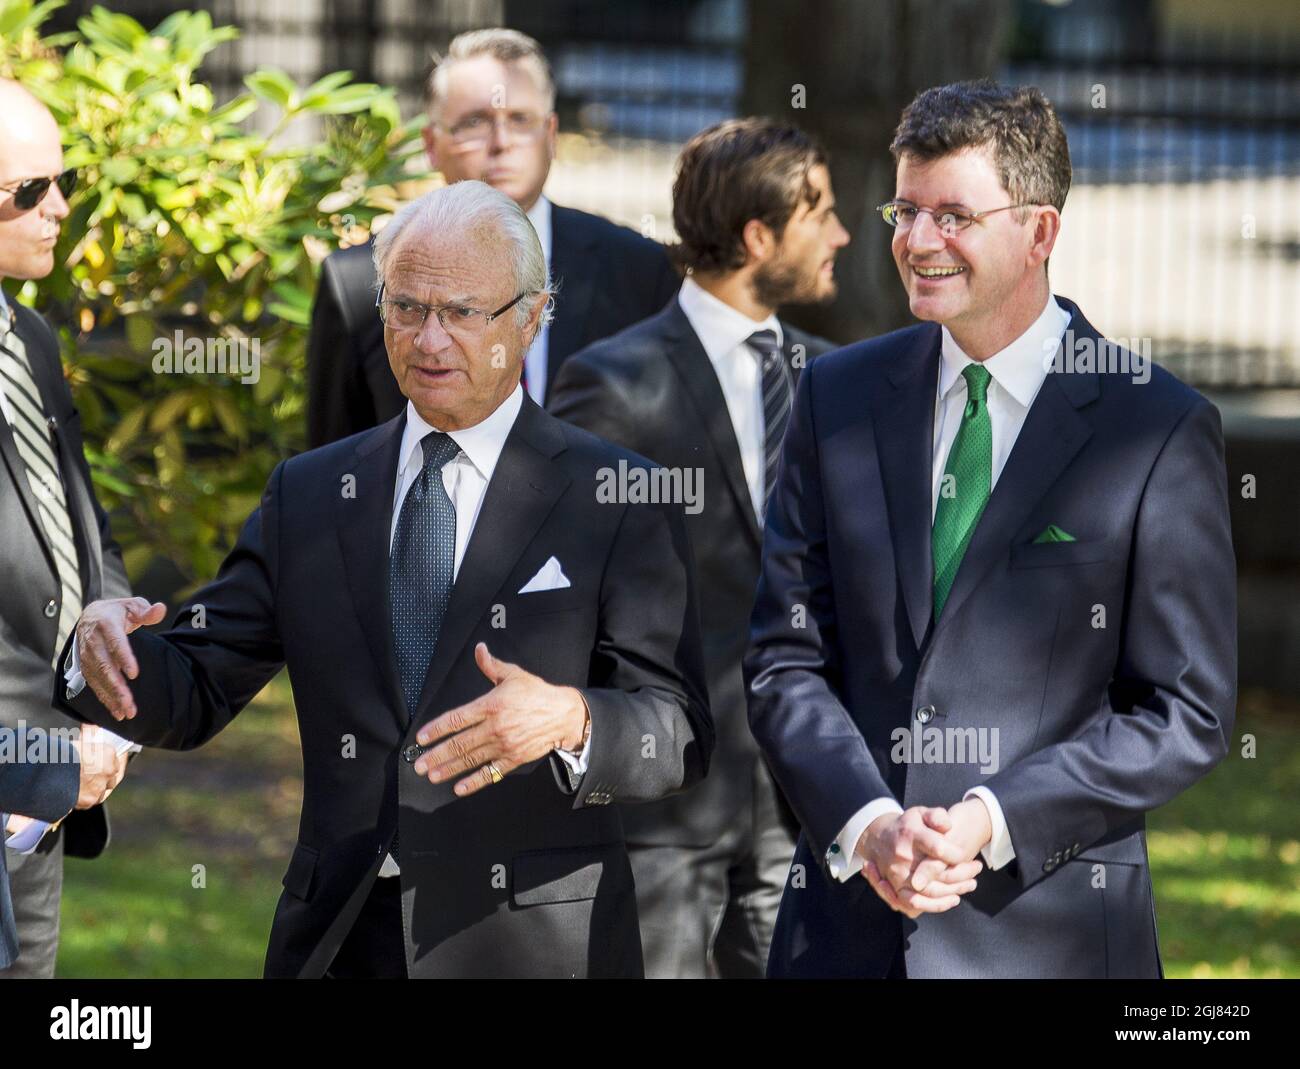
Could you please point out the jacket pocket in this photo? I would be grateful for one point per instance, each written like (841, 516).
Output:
(549, 876)
(1051, 554)
(299, 878)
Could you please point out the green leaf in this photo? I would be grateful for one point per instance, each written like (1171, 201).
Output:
(273, 85)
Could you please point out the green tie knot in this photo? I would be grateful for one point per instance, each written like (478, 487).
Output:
(977, 382)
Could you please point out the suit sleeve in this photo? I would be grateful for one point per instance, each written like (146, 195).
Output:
(815, 751)
(585, 397)
(222, 649)
(1167, 719)
(651, 730)
(46, 790)
(336, 392)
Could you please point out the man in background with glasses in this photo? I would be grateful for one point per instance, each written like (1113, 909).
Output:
(491, 117)
(56, 552)
(485, 651)
(996, 619)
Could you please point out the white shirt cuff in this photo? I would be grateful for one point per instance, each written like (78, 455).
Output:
(842, 858)
(578, 762)
(999, 850)
(73, 680)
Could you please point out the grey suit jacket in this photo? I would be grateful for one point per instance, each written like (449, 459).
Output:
(1104, 667)
(29, 584)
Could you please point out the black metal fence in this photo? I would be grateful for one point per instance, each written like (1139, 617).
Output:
(1182, 231)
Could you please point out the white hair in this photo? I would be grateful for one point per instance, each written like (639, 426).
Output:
(505, 46)
(463, 207)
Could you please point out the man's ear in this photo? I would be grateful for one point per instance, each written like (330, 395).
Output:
(1047, 227)
(759, 240)
(550, 129)
(430, 145)
(536, 318)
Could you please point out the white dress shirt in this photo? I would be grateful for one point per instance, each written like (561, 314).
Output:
(5, 312)
(536, 358)
(1016, 374)
(722, 331)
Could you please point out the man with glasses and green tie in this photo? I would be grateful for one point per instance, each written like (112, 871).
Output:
(996, 619)
(56, 552)
(491, 117)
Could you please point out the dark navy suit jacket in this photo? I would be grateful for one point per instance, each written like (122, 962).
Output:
(1106, 665)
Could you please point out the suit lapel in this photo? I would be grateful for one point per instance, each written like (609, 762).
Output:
(904, 423)
(364, 523)
(81, 513)
(1053, 433)
(574, 271)
(13, 459)
(524, 488)
(696, 371)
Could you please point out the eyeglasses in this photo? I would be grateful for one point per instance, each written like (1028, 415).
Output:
(401, 314)
(475, 130)
(31, 191)
(901, 215)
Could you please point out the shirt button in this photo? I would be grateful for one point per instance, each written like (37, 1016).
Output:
(51, 608)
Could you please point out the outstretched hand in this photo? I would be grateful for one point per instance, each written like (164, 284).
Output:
(521, 719)
(105, 654)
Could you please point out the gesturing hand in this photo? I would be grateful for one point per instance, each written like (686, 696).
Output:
(106, 658)
(899, 846)
(519, 720)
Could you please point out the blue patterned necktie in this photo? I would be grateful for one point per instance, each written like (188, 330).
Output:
(421, 566)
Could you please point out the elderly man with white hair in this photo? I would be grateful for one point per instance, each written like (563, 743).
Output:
(486, 646)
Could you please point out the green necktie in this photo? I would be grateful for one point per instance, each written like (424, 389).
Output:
(965, 488)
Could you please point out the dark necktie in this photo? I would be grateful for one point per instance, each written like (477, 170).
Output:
(776, 404)
(31, 431)
(420, 567)
(964, 491)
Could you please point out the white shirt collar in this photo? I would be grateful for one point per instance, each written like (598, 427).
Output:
(720, 328)
(1021, 367)
(540, 216)
(481, 443)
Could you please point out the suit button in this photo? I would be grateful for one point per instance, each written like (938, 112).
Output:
(925, 714)
(51, 608)
(1049, 865)
(410, 754)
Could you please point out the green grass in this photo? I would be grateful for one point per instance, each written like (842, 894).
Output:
(1225, 856)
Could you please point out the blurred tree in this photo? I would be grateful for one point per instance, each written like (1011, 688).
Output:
(844, 70)
(184, 222)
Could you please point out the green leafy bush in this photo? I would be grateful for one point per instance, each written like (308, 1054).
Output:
(186, 220)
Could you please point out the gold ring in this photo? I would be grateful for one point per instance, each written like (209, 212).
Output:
(494, 772)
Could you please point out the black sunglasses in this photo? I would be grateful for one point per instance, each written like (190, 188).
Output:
(30, 192)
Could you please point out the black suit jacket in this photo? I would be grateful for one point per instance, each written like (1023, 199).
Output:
(608, 277)
(1104, 668)
(529, 877)
(653, 389)
(30, 593)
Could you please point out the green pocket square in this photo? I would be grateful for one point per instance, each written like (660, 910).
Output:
(1054, 534)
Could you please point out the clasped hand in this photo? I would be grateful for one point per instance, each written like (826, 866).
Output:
(923, 860)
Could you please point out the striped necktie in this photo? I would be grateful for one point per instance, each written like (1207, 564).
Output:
(776, 405)
(31, 430)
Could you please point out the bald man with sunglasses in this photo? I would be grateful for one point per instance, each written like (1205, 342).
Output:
(57, 551)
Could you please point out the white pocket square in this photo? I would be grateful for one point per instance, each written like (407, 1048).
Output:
(549, 577)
